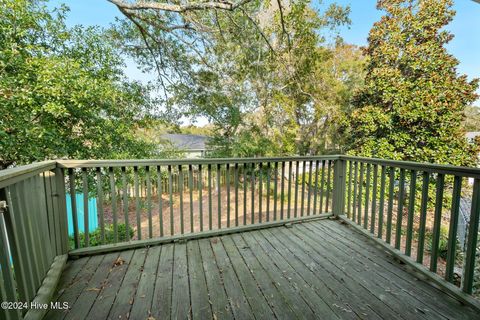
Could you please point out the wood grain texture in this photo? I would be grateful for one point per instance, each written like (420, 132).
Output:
(312, 270)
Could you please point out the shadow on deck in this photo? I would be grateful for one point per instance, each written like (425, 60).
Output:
(319, 269)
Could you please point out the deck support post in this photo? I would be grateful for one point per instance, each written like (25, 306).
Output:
(338, 199)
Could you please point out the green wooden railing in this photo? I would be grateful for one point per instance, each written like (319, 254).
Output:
(412, 209)
(33, 237)
(157, 199)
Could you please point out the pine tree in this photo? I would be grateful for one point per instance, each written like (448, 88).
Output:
(413, 101)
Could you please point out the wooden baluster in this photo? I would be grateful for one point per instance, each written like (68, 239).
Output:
(360, 193)
(227, 182)
(170, 194)
(329, 190)
(302, 200)
(289, 189)
(423, 217)
(355, 195)
(160, 200)
(310, 165)
(190, 189)
(200, 196)
(209, 169)
(149, 201)
(260, 189)
(125, 203)
(252, 194)
(100, 204)
(367, 197)
(437, 221)
(390, 204)
(452, 232)
(349, 191)
(137, 202)
(269, 168)
(85, 207)
(282, 191)
(236, 193)
(401, 195)
(73, 200)
(180, 193)
(373, 220)
(381, 206)
(297, 169)
(470, 258)
(411, 211)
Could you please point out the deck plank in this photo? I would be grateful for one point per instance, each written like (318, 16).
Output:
(317, 269)
(142, 303)
(181, 287)
(162, 295)
(238, 302)
(123, 301)
(260, 306)
(104, 301)
(363, 276)
(357, 296)
(324, 285)
(72, 292)
(90, 293)
(201, 308)
(68, 275)
(278, 302)
(392, 272)
(217, 296)
(304, 289)
(302, 296)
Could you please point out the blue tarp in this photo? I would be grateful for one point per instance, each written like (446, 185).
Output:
(92, 213)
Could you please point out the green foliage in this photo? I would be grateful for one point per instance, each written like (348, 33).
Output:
(412, 104)
(63, 93)
(270, 80)
(442, 244)
(96, 235)
(472, 118)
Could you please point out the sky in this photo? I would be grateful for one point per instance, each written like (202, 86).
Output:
(466, 27)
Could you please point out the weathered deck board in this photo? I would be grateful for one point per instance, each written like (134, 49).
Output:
(319, 269)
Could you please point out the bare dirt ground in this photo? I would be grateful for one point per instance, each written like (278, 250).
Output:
(229, 215)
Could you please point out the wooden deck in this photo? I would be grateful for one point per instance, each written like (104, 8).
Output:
(314, 270)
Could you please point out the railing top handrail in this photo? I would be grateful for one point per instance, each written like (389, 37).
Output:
(419, 166)
(184, 161)
(13, 175)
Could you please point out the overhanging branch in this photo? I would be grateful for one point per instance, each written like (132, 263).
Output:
(151, 5)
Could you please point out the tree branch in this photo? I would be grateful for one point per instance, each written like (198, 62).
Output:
(150, 5)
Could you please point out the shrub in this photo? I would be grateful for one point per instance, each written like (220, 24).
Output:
(96, 235)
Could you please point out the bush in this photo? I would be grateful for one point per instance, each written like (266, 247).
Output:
(442, 244)
(96, 236)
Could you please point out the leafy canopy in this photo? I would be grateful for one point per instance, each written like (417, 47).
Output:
(264, 75)
(413, 101)
(63, 93)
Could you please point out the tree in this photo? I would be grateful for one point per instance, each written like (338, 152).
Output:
(412, 104)
(63, 93)
(263, 73)
(472, 118)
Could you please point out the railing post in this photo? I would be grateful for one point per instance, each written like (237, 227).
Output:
(338, 199)
(469, 270)
(61, 208)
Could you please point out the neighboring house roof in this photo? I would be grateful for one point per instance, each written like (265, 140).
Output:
(186, 141)
(472, 134)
